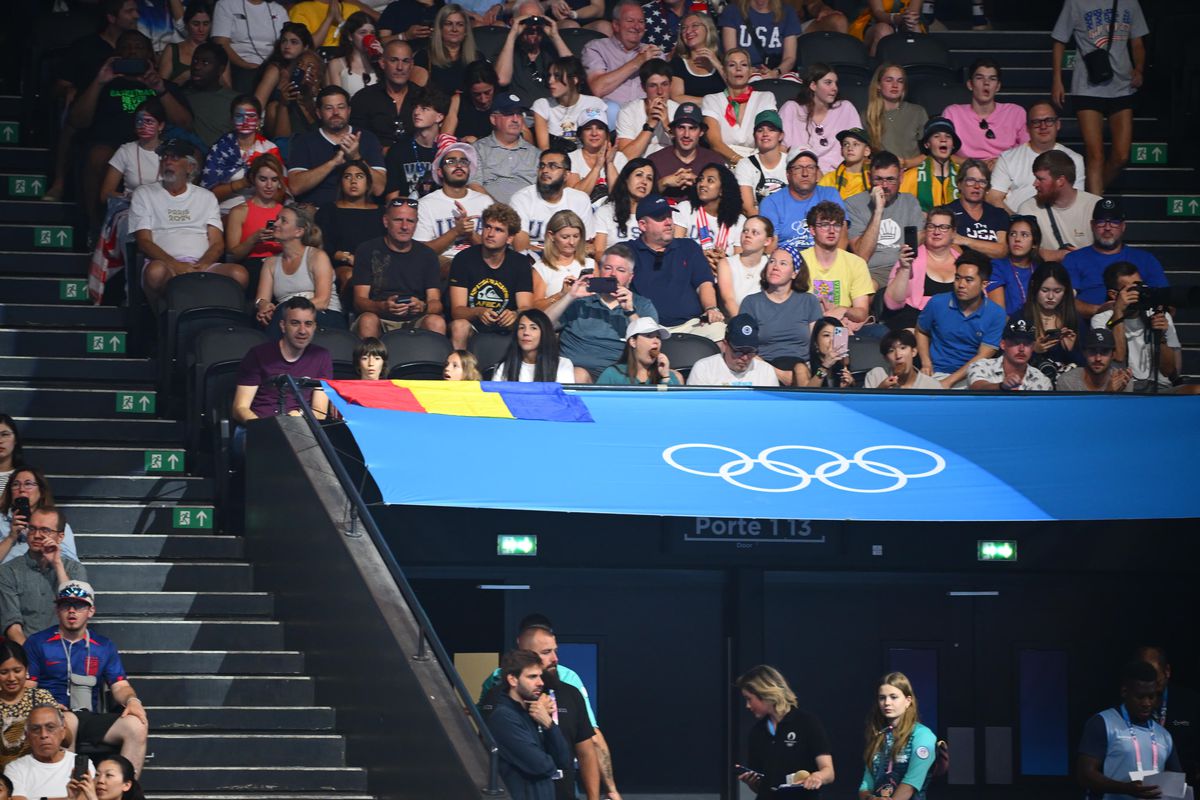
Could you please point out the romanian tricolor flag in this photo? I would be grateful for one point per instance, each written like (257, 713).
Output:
(499, 400)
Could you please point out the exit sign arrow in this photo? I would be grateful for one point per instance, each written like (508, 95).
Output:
(164, 460)
(192, 518)
(1149, 153)
(1183, 206)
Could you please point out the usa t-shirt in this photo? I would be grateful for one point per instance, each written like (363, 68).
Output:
(536, 213)
(435, 216)
(759, 33)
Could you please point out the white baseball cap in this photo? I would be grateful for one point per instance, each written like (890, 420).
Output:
(644, 325)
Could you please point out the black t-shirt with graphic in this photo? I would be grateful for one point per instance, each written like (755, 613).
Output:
(112, 123)
(491, 288)
(408, 169)
(389, 273)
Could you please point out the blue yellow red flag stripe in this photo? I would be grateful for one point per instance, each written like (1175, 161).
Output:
(497, 400)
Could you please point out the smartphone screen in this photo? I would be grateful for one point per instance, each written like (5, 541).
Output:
(910, 237)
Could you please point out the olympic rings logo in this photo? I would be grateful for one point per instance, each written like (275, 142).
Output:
(838, 465)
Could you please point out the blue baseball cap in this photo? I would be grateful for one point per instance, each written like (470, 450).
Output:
(506, 103)
(654, 206)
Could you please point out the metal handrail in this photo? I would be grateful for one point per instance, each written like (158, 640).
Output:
(427, 635)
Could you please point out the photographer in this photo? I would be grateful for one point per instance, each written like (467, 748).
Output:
(1141, 328)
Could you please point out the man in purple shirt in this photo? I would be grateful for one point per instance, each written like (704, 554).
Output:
(295, 354)
(612, 64)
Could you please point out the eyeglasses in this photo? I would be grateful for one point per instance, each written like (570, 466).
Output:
(1043, 122)
(1108, 223)
(820, 129)
(988, 132)
(456, 162)
(827, 225)
(44, 531)
(884, 181)
(25, 484)
(552, 166)
(973, 182)
(743, 352)
(802, 168)
(939, 227)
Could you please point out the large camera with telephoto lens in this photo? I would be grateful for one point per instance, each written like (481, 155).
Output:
(1154, 299)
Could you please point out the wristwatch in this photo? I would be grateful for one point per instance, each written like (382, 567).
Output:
(648, 128)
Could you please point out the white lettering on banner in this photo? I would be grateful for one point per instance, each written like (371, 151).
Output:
(746, 533)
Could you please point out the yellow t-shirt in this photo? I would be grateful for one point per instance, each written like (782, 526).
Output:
(846, 279)
(852, 182)
(311, 13)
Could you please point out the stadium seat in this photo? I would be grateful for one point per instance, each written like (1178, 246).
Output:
(341, 345)
(194, 301)
(489, 39)
(934, 97)
(489, 348)
(685, 349)
(933, 73)
(416, 355)
(783, 90)
(577, 38)
(834, 49)
(213, 361)
(864, 355)
(853, 72)
(856, 91)
(910, 49)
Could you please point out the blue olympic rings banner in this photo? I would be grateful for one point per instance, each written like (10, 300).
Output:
(762, 454)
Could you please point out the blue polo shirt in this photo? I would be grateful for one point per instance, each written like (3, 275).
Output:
(788, 214)
(955, 338)
(1087, 264)
(670, 283)
(94, 655)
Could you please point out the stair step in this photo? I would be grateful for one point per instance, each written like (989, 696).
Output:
(72, 403)
(1179, 180)
(62, 342)
(169, 488)
(124, 428)
(239, 718)
(38, 212)
(212, 690)
(188, 605)
(212, 662)
(44, 263)
(23, 185)
(247, 750)
(94, 460)
(244, 779)
(100, 318)
(19, 236)
(165, 576)
(180, 634)
(159, 546)
(32, 160)
(99, 370)
(1162, 230)
(91, 517)
(1007, 59)
(1176, 256)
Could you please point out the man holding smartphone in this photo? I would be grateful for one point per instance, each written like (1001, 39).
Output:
(879, 216)
(396, 281)
(49, 767)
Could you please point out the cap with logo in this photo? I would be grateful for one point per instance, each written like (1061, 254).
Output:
(1108, 208)
(1019, 329)
(654, 206)
(853, 133)
(768, 117)
(594, 116)
(742, 331)
(1097, 339)
(688, 112)
(181, 148)
(644, 325)
(506, 103)
(76, 592)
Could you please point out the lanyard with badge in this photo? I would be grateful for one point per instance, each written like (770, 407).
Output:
(79, 687)
(1137, 749)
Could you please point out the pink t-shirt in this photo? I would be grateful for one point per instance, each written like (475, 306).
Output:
(799, 135)
(1007, 121)
(916, 283)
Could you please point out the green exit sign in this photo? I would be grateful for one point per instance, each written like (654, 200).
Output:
(1149, 153)
(516, 545)
(1186, 206)
(10, 132)
(72, 289)
(1068, 59)
(53, 236)
(26, 185)
(164, 460)
(136, 402)
(100, 342)
(192, 518)
(1004, 550)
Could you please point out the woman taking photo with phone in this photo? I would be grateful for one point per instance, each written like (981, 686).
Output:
(804, 760)
(26, 492)
(533, 353)
(114, 780)
(829, 356)
(916, 277)
(900, 750)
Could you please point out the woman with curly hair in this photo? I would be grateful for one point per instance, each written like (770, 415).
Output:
(714, 218)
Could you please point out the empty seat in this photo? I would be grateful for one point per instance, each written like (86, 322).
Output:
(865, 356)
(856, 91)
(935, 96)
(834, 49)
(489, 39)
(489, 348)
(416, 355)
(683, 350)
(933, 73)
(783, 90)
(341, 345)
(213, 361)
(194, 301)
(577, 38)
(908, 49)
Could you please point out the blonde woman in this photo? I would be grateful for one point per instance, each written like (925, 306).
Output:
(564, 258)
(301, 268)
(806, 761)
(900, 750)
(696, 68)
(451, 49)
(729, 114)
(894, 124)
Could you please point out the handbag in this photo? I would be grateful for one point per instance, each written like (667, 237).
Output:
(1098, 63)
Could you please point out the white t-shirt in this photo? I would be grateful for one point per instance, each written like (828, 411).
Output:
(606, 223)
(632, 117)
(738, 138)
(566, 372)
(554, 277)
(536, 212)
(878, 375)
(1014, 173)
(136, 164)
(1074, 223)
(252, 30)
(713, 371)
(746, 277)
(565, 121)
(749, 175)
(32, 778)
(1139, 353)
(435, 216)
(581, 169)
(180, 224)
(685, 217)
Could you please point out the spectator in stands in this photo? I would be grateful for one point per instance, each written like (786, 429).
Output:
(257, 394)
(894, 124)
(177, 224)
(977, 224)
(616, 219)
(852, 176)
(533, 352)
(1087, 264)
(1051, 312)
(738, 363)
(408, 21)
(674, 274)
(384, 109)
(461, 365)
(409, 159)
(53, 666)
(900, 750)
(729, 114)
(448, 220)
(804, 758)
(1128, 320)
(643, 362)
(613, 63)
(231, 155)
(679, 165)
(784, 313)
(326, 19)
(451, 48)
(813, 121)
(114, 780)
(314, 157)
(1092, 27)
(17, 701)
(788, 211)
(28, 584)
(878, 218)
(899, 347)
(370, 359)
(397, 281)
(46, 771)
(206, 92)
(695, 69)
(292, 108)
(917, 277)
(564, 258)
(10, 449)
(1009, 286)
(358, 49)
(1098, 373)
(1062, 211)
(593, 323)
(489, 282)
(715, 218)
(596, 163)
(349, 220)
(764, 171)
(1011, 185)
(532, 45)
(300, 270)
(1010, 371)
(538, 203)
(828, 363)
(133, 164)
(767, 28)
(987, 128)
(738, 276)
(26, 491)
(532, 748)
(557, 118)
(1119, 741)
(962, 328)
(277, 78)
(883, 18)
(247, 36)
(934, 181)
(250, 226)
(470, 115)
(507, 161)
(840, 279)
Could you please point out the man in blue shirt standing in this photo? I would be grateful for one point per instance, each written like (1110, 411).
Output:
(1087, 264)
(956, 330)
(788, 210)
(532, 749)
